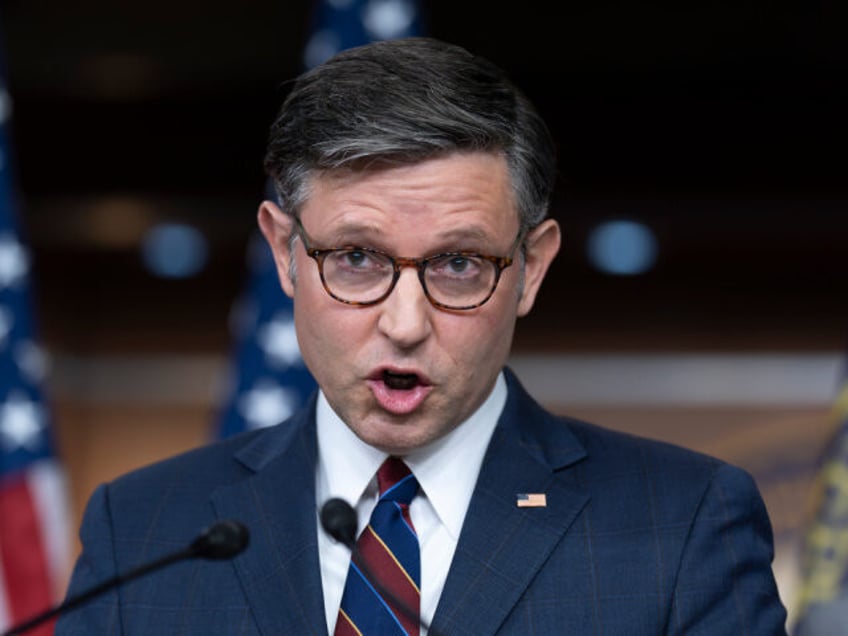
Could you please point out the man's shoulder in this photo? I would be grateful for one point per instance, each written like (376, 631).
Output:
(605, 448)
(668, 470)
(619, 446)
(214, 458)
(223, 460)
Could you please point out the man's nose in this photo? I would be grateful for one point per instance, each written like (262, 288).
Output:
(406, 312)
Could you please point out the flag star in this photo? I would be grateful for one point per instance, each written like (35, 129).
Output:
(278, 339)
(14, 261)
(21, 423)
(267, 404)
(387, 19)
(32, 360)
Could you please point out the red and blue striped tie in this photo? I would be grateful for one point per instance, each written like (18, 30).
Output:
(382, 591)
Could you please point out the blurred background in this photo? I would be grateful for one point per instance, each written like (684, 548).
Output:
(700, 296)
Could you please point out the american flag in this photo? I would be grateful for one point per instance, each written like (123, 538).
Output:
(531, 500)
(268, 378)
(34, 519)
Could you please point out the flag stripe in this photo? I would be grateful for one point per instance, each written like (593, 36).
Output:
(48, 485)
(24, 562)
(5, 611)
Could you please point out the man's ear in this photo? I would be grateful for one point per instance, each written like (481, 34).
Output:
(542, 245)
(277, 227)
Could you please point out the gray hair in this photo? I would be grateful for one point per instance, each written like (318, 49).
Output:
(405, 101)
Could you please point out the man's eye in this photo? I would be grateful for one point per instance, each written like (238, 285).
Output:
(359, 260)
(458, 264)
(356, 258)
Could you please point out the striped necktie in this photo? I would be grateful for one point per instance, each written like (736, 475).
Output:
(381, 595)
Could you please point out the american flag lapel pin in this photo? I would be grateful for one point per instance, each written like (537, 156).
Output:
(531, 500)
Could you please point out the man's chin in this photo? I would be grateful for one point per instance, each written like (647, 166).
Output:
(395, 435)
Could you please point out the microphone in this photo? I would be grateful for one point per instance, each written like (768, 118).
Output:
(220, 541)
(339, 520)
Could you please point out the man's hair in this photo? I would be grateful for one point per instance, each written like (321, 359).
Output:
(404, 101)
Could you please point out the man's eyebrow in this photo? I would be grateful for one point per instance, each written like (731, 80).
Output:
(470, 233)
(371, 235)
(466, 239)
(349, 232)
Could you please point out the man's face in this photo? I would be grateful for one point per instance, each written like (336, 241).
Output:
(448, 360)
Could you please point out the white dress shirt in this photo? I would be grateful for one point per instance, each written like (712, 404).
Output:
(447, 472)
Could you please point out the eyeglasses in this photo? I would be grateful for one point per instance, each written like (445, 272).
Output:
(453, 280)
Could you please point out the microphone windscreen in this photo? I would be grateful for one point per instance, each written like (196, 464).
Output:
(222, 540)
(339, 520)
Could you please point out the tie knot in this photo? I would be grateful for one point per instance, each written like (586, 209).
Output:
(396, 482)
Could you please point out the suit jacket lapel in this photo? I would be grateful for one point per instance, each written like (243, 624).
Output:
(280, 571)
(502, 546)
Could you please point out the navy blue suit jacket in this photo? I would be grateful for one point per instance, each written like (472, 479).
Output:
(637, 538)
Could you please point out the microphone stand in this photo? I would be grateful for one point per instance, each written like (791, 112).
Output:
(97, 590)
(222, 540)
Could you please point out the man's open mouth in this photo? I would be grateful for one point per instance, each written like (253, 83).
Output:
(400, 381)
(399, 391)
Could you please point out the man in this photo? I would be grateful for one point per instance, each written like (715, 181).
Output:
(414, 181)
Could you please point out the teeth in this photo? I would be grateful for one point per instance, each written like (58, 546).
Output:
(400, 381)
